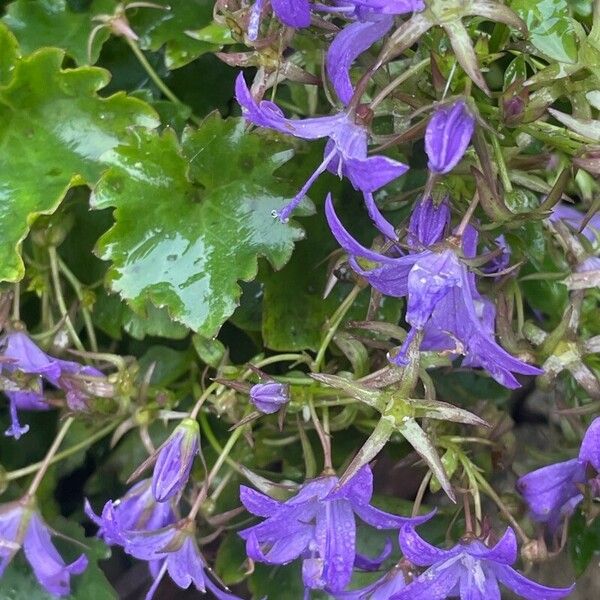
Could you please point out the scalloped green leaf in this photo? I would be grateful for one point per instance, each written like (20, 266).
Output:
(40, 23)
(158, 28)
(54, 129)
(193, 219)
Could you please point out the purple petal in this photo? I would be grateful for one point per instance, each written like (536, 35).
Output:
(378, 219)
(27, 357)
(258, 504)
(447, 136)
(428, 223)
(420, 552)
(16, 430)
(547, 489)
(372, 173)
(478, 582)
(366, 563)
(269, 397)
(48, 566)
(186, 565)
(268, 114)
(434, 584)
(149, 545)
(335, 535)
(295, 13)
(254, 21)
(359, 489)
(285, 549)
(352, 41)
(430, 279)
(526, 588)
(384, 520)
(574, 218)
(590, 446)
(392, 7)
(505, 551)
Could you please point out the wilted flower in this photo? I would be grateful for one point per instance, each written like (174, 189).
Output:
(22, 526)
(174, 460)
(469, 570)
(173, 549)
(447, 136)
(318, 525)
(136, 510)
(22, 355)
(269, 397)
(552, 492)
(345, 152)
(442, 298)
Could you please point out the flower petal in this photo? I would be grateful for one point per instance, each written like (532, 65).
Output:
(428, 223)
(384, 520)
(505, 551)
(285, 549)
(335, 535)
(186, 565)
(434, 584)
(372, 173)
(478, 583)
(590, 446)
(530, 590)
(420, 552)
(547, 489)
(258, 504)
(48, 566)
(295, 13)
(352, 41)
(365, 563)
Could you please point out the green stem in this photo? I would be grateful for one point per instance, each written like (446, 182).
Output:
(28, 470)
(35, 484)
(60, 300)
(212, 440)
(158, 82)
(502, 170)
(87, 317)
(336, 320)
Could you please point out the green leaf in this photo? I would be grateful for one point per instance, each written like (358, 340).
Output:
(551, 30)
(191, 221)
(168, 28)
(54, 129)
(584, 542)
(231, 558)
(40, 23)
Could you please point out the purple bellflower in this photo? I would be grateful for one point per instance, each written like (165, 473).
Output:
(442, 298)
(470, 570)
(374, 19)
(345, 152)
(447, 136)
(318, 525)
(175, 459)
(22, 355)
(269, 397)
(294, 13)
(21, 526)
(136, 510)
(174, 550)
(552, 492)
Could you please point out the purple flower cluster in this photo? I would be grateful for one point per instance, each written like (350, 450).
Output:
(21, 357)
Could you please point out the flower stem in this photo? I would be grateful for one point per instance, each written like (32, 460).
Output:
(16, 304)
(158, 82)
(503, 171)
(49, 455)
(60, 300)
(207, 392)
(467, 216)
(335, 322)
(29, 469)
(223, 456)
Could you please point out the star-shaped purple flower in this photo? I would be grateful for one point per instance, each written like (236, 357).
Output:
(442, 298)
(470, 570)
(22, 355)
(22, 526)
(345, 153)
(318, 525)
(551, 492)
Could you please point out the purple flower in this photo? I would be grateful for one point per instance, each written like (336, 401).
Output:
(442, 298)
(345, 152)
(22, 355)
(295, 13)
(269, 397)
(470, 570)
(375, 19)
(173, 549)
(136, 510)
(318, 525)
(22, 526)
(551, 492)
(175, 459)
(447, 136)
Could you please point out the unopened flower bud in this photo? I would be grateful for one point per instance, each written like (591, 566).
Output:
(447, 136)
(269, 397)
(175, 459)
